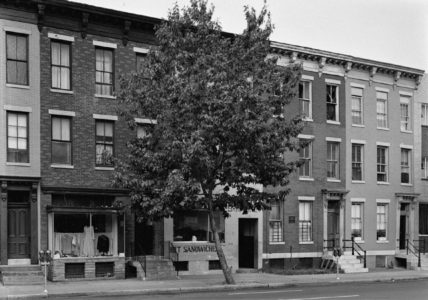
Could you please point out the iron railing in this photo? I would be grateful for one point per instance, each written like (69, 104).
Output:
(356, 248)
(416, 251)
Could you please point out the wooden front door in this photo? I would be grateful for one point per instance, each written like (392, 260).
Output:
(333, 231)
(19, 236)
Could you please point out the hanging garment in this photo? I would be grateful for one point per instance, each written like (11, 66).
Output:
(88, 241)
(103, 244)
(66, 243)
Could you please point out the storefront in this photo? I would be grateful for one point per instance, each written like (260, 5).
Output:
(87, 237)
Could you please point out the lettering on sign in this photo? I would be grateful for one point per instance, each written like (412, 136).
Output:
(196, 248)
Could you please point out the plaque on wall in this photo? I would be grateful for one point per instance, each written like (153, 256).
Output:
(292, 219)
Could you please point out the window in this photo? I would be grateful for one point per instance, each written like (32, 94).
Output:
(382, 164)
(424, 167)
(382, 221)
(382, 109)
(405, 165)
(357, 106)
(332, 103)
(423, 219)
(333, 160)
(424, 114)
(104, 71)
(17, 137)
(275, 223)
(357, 162)
(61, 140)
(305, 154)
(60, 65)
(305, 99)
(104, 143)
(16, 58)
(357, 221)
(305, 221)
(144, 130)
(405, 113)
(195, 226)
(140, 57)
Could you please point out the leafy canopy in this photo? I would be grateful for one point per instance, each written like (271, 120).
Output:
(219, 101)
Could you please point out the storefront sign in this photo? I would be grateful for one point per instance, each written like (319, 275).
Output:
(196, 248)
(195, 251)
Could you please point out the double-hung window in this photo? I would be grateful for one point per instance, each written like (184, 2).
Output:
(333, 160)
(104, 71)
(424, 114)
(16, 58)
(382, 164)
(357, 162)
(382, 109)
(405, 165)
(275, 223)
(104, 139)
(17, 137)
(357, 220)
(405, 113)
(382, 221)
(357, 106)
(305, 99)
(305, 221)
(305, 154)
(61, 140)
(424, 167)
(332, 99)
(61, 65)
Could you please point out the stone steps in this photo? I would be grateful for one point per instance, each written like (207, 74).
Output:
(155, 268)
(21, 275)
(351, 264)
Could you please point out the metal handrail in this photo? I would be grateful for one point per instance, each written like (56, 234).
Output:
(355, 247)
(422, 247)
(410, 247)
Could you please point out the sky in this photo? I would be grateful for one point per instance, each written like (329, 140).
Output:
(392, 31)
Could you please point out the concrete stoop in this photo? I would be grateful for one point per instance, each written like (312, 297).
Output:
(412, 261)
(349, 263)
(21, 275)
(151, 267)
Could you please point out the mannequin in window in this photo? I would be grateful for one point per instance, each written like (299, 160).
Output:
(88, 241)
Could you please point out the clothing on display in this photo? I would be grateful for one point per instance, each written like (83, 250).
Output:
(88, 242)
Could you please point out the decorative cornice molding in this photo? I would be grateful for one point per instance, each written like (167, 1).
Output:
(126, 29)
(3, 191)
(40, 16)
(84, 25)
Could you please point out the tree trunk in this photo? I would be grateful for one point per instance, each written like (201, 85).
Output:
(227, 272)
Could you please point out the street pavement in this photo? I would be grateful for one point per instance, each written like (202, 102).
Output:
(200, 283)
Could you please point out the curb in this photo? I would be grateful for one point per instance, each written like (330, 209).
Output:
(213, 288)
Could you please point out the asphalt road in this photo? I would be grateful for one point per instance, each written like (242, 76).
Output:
(400, 290)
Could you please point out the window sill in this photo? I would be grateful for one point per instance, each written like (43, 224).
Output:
(358, 181)
(358, 125)
(62, 91)
(104, 168)
(407, 184)
(104, 96)
(59, 166)
(424, 178)
(276, 243)
(333, 122)
(383, 183)
(406, 131)
(333, 180)
(306, 243)
(383, 128)
(306, 179)
(307, 119)
(18, 86)
(382, 242)
(16, 164)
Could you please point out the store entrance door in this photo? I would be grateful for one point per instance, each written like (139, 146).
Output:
(144, 235)
(247, 243)
(18, 216)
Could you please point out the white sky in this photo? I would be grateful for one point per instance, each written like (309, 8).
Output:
(394, 31)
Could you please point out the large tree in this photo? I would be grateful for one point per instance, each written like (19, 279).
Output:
(219, 101)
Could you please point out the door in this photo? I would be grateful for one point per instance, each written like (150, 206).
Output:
(18, 231)
(144, 235)
(403, 234)
(333, 234)
(247, 243)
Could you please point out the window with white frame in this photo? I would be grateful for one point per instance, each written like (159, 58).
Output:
(305, 154)
(332, 99)
(305, 99)
(333, 160)
(405, 113)
(382, 221)
(61, 65)
(424, 114)
(17, 137)
(357, 106)
(357, 162)
(382, 164)
(382, 109)
(275, 223)
(104, 139)
(61, 140)
(104, 71)
(357, 220)
(405, 165)
(305, 221)
(16, 58)
(424, 167)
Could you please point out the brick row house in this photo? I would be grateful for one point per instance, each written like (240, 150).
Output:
(59, 120)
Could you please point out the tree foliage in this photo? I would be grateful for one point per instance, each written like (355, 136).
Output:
(220, 105)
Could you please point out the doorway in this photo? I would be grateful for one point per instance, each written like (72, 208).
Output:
(247, 243)
(18, 229)
(144, 236)
(404, 228)
(333, 229)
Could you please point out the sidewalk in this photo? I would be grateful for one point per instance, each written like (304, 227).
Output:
(197, 284)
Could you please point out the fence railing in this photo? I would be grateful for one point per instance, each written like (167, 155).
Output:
(356, 249)
(412, 249)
